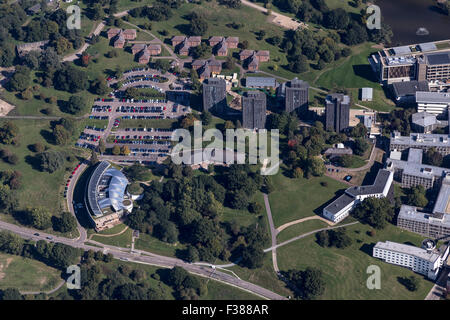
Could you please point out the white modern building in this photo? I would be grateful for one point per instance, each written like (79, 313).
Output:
(340, 208)
(426, 261)
(433, 102)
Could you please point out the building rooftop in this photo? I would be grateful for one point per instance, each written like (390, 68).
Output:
(442, 201)
(376, 188)
(438, 58)
(421, 139)
(406, 88)
(340, 203)
(296, 83)
(260, 82)
(415, 155)
(429, 46)
(424, 119)
(344, 99)
(366, 93)
(433, 97)
(403, 50)
(407, 249)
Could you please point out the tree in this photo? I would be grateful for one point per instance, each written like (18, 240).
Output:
(116, 150)
(100, 87)
(197, 25)
(231, 3)
(252, 257)
(201, 51)
(8, 199)
(9, 132)
(323, 238)
(65, 223)
(124, 150)
(159, 12)
(361, 146)
(298, 173)
(433, 157)
(307, 284)
(60, 135)
(21, 79)
(346, 160)
(206, 117)
(298, 64)
(337, 19)
(137, 172)
(70, 79)
(375, 211)
(162, 65)
(411, 283)
(94, 158)
(50, 160)
(10, 294)
(39, 218)
(101, 146)
(62, 45)
(416, 196)
(77, 104)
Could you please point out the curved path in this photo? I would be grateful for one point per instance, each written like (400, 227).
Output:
(46, 292)
(70, 189)
(284, 226)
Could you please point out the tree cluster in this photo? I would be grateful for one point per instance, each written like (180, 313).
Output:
(376, 212)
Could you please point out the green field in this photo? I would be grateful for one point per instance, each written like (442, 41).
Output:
(151, 244)
(299, 198)
(345, 269)
(38, 188)
(26, 274)
(122, 240)
(147, 123)
(300, 228)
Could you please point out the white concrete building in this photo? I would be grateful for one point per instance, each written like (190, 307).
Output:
(340, 208)
(433, 102)
(420, 260)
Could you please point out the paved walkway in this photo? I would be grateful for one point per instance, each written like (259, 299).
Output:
(46, 292)
(273, 233)
(315, 217)
(77, 54)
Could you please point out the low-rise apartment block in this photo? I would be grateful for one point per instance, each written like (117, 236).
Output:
(340, 208)
(440, 142)
(426, 261)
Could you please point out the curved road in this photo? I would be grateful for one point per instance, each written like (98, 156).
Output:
(150, 259)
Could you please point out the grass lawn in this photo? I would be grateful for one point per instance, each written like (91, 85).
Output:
(38, 188)
(123, 240)
(26, 274)
(299, 198)
(264, 276)
(345, 269)
(151, 244)
(300, 228)
(220, 291)
(114, 230)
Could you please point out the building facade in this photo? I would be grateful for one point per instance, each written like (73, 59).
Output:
(296, 95)
(214, 95)
(254, 110)
(337, 112)
(424, 261)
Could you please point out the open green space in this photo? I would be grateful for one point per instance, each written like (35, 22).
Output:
(26, 274)
(114, 230)
(299, 198)
(122, 240)
(345, 269)
(151, 244)
(39, 189)
(300, 228)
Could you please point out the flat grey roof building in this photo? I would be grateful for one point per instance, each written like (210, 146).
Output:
(254, 110)
(260, 82)
(428, 46)
(407, 249)
(377, 187)
(409, 88)
(438, 58)
(337, 112)
(424, 119)
(214, 95)
(433, 97)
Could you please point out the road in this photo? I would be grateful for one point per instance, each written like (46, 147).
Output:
(148, 258)
(76, 55)
(70, 189)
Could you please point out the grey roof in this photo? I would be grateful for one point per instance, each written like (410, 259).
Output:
(429, 46)
(424, 119)
(402, 50)
(438, 58)
(337, 96)
(340, 203)
(260, 82)
(296, 83)
(443, 197)
(115, 184)
(421, 139)
(433, 97)
(415, 155)
(366, 93)
(406, 88)
(416, 169)
(376, 188)
(407, 249)
(411, 213)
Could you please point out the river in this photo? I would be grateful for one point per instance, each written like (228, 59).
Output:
(406, 16)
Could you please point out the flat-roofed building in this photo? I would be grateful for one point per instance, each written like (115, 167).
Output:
(434, 66)
(433, 102)
(340, 208)
(254, 110)
(405, 92)
(260, 82)
(296, 95)
(214, 95)
(366, 94)
(424, 141)
(106, 198)
(424, 122)
(421, 260)
(337, 112)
